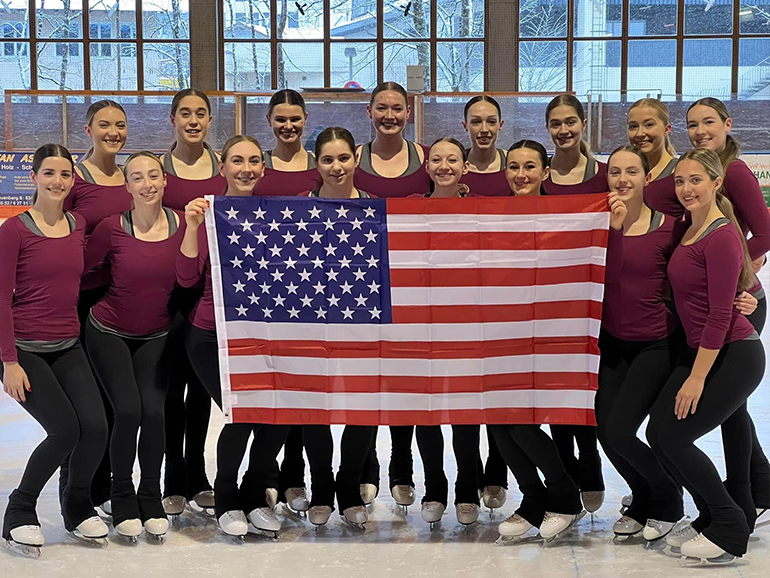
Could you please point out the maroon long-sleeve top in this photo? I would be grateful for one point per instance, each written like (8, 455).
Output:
(189, 271)
(181, 191)
(594, 184)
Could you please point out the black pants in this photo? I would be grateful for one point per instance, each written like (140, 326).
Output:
(631, 376)
(291, 472)
(527, 449)
(586, 469)
(355, 454)
(64, 400)
(370, 472)
(737, 371)
(135, 377)
(188, 411)
(202, 349)
(400, 469)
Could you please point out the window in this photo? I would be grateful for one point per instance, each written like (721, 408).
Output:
(14, 30)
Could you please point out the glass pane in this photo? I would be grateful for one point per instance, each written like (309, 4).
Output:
(60, 66)
(543, 18)
(542, 66)
(113, 66)
(651, 68)
(166, 19)
(399, 55)
(247, 66)
(166, 66)
(460, 66)
(354, 19)
(14, 71)
(303, 19)
(707, 67)
(405, 19)
(354, 62)
(300, 65)
(755, 17)
(247, 18)
(15, 19)
(596, 69)
(598, 18)
(652, 18)
(709, 17)
(754, 68)
(460, 18)
(112, 18)
(59, 18)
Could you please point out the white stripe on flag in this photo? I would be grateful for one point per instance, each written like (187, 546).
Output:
(500, 223)
(497, 259)
(496, 295)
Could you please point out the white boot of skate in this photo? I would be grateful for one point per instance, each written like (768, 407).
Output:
(512, 529)
(26, 541)
(92, 531)
(156, 529)
(234, 524)
(130, 530)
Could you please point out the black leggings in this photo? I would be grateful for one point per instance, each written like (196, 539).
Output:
(65, 401)
(355, 455)
(135, 377)
(527, 449)
(202, 349)
(631, 376)
(737, 371)
(400, 469)
(586, 469)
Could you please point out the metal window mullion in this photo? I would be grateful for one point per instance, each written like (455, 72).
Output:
(570, 39)
(624, 25)
(736, 47)
(274, 44)
(327, 44)
(679, 48)
(380, 15)
(221, 44)
(516, 40)
(139, 15)
(86, 16)
(32, 45)
(433, 45)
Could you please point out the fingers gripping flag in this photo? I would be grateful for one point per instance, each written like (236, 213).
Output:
(408, 311)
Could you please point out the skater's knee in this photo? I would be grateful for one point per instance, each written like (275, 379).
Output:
(128, 417)
(93, 427)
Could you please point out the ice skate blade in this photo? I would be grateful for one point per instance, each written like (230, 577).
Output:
(354, 525)
(129, 540)
(402, 510)
(299, 515)
(258, 532)
(159, 539)
(619, 539)
(525, 538)
(106, 518)
(688, 562)
(174, 519)
(196, 509)
(237, 540)
(93, 542)
(24, 550)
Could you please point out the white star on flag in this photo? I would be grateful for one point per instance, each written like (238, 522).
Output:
(342, 212)
(231, 213)
(315, 213)
(238, 286)
(320, 313)
(251, 275)
(369, 211)
(287, 213)
(306, 301)
(375, 313)
(236, 262)
(233, 238)
(248, 251)
(259, 214)
(348, 313)
(273, 225)
(333, 301)
(241, 310)
(253, 299)
(263, 263)
(261, 237)
(247, 225)
(372, 262)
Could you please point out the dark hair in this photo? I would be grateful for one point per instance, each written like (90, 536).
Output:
(234, 140)
(481, 98)
(571, 101)
(732, 150)
(629, 148)
(454, 141)
(382, 87)
(100, 105)
(189, 92)
(47, 151)
(532, 145)
(334, 133)
(286, 96)
(149, 155)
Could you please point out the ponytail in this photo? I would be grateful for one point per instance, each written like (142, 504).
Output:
(747, 279)
(585, 148)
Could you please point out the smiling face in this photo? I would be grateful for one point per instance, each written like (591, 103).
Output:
(525, 172)
(145, 181)
(192, 120)
(242, 167)
(565, 127)
(53, 179)
(706, 129)
(646, 130)
(388, 112)
(336, 163)
(695, 188)
(108, 130)
(445, 164)
(483, 123)
(288, 122)
(625, 175)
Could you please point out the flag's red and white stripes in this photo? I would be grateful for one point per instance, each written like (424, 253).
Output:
(496, 311)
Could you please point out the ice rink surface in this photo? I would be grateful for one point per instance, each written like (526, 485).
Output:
(392, 546)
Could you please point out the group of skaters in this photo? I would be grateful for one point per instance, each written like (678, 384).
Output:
(108, 333)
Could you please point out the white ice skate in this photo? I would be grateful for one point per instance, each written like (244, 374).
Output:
(174, 506)
(467, 514)
(655, 531)
(104, 511)
(25, 541)
(404, 497)
(512, 529)
(625, 503)
(319, 515)
(234, 524)
(92, 531)
(156, 529)
(271, 495)
(432, 512)
(592, 501)
(494, 497)
(556, 526)
(368, 493)
(264, 521)
(297, 502)
(681, 533)
(203, 503)
(356, 516)
(700, 551)
(129, 530)
(625, 529)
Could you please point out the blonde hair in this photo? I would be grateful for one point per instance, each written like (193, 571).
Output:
(711, 162)
(732, 149)
(661, 110)
(234, 140)
(149, 155)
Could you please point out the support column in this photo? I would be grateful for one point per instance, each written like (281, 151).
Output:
(501, 55)
(204, 48)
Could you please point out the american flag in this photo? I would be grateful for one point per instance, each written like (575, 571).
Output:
(408, 311)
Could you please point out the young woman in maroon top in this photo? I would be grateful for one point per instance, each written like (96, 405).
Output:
(289, 168)
(44, 366)
(192, 171)
(126, 335)
(483, 122)
(721, 365)
(554, 505)
(575, 171)
(390, 165)
(242, 167)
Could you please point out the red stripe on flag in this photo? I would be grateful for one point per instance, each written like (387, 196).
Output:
(497, 241)
(580, 381)
(496, 313)
(371, 418)
(496, 277)
(594, 203)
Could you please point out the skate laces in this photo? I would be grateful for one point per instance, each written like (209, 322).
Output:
(514, 519)
(236, 516)
(466, 508)
(655, 525)
(683, 530)
(551, 518)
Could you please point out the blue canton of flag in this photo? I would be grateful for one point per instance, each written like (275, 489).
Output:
(304, 260)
